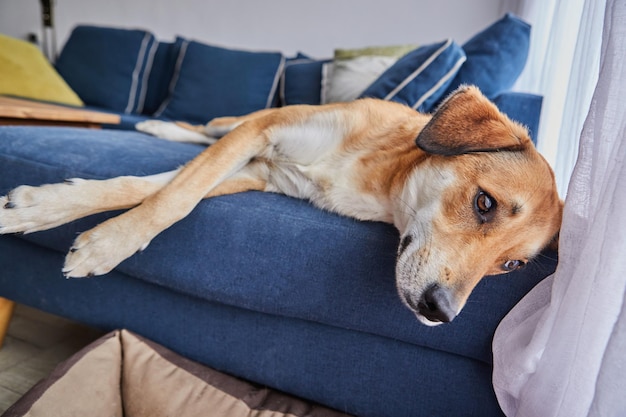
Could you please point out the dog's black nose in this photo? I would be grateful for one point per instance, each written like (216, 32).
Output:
(436, 304)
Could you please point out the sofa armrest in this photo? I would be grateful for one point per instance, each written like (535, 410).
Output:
(524, 108)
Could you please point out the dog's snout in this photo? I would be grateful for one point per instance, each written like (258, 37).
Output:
(436, 304)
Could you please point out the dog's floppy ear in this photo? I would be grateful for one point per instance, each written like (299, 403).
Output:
(468, 122)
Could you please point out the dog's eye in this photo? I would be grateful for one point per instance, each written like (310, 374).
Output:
(512, 265)
(484, 205)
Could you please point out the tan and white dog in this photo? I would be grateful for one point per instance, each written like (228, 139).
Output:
(473, 198)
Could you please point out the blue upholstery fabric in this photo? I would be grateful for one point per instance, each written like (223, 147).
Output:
(108, 67)
(354, 372)
(495, 57)
(419, 78)
(301, 82)
(254, 224)
(214, 81)
(259, 285)
(161, 73)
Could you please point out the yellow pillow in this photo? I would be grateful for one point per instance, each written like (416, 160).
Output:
(25, 72)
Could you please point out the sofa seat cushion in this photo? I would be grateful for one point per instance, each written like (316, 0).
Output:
(258, 251)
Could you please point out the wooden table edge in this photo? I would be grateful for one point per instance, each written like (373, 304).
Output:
(15, 108)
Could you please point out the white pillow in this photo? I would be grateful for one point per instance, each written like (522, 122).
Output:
(346, 79)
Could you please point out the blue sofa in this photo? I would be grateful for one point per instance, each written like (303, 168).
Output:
(258, 285)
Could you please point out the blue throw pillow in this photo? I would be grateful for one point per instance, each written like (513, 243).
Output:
(107, 67)
(495, 57)
(212, 81)
(301, 82)
(161, 74)
(419, 78)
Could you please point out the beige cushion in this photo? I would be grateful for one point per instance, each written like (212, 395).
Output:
(353, 70)
(122, 374)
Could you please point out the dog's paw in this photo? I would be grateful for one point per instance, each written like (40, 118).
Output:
(173, 132)
(22, 211)
(158, 128)
(99, 250)
(29, 209)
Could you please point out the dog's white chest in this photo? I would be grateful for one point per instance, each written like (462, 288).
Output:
(307, 161)
(329, 183)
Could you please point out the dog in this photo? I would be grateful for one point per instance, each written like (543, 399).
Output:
(465, 187)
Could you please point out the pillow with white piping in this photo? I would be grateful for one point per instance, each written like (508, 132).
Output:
(301, 82)
(495, 56)
(108, 67)
(210, 81)
(419, 78)
(161, 73)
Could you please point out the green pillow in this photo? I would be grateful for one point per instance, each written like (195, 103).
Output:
(395, 51)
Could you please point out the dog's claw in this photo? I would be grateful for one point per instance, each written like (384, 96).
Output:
(99, 250)
(8, 203)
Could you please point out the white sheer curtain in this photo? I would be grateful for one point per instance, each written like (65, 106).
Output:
(562, 350)
(562, 66)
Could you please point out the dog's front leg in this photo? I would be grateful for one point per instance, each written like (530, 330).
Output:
(99, 250)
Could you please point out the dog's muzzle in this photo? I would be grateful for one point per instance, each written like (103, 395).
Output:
(436, 305)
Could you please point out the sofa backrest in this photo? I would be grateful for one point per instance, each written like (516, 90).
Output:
(130, 72)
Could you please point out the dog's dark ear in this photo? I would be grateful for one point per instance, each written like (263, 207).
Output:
(468, 122)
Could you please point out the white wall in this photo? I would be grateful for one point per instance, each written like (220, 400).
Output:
(315, 27)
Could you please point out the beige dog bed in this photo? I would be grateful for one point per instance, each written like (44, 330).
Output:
(122, 374)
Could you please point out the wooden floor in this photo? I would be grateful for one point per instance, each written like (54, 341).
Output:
(35, 344)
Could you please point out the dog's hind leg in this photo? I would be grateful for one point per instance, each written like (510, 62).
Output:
(203, 134)
(28, 209)
(220, 126)
(97, 251)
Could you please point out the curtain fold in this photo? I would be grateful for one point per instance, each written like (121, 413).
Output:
(561, 351)
(562, 66)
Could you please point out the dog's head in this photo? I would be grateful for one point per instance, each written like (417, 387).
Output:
(486, 204)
